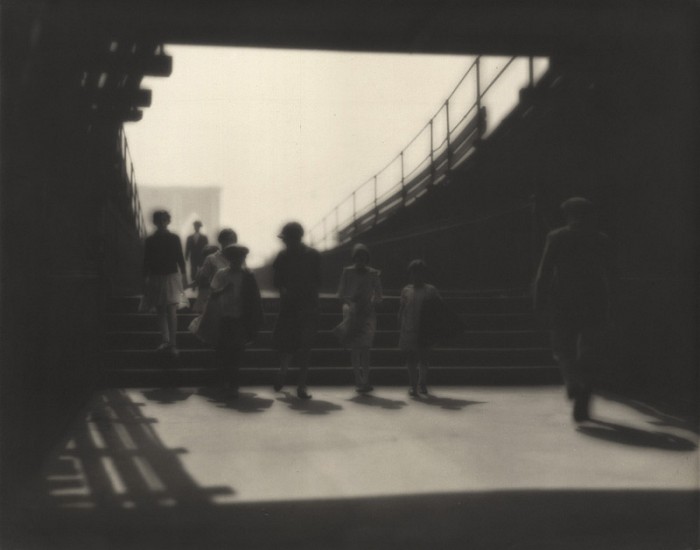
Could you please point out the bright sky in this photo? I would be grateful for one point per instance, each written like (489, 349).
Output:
(286, 134)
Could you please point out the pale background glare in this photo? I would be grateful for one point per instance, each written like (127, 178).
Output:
(286, 134)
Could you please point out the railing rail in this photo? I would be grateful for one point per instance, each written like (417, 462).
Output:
(450, 138)
(129, 180)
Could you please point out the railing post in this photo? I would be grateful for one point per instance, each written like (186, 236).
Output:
(447, 125)
(337, 222)
(403, 182)
(325, 234)
(376, 205)
(480, 122)
(354, 210)
(478, 84)
(432, 154)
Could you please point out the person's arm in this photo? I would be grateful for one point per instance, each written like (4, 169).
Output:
(180, 259)
(257, 315)
(188, 248)
(342, 287)
(402, 305)
(543, 279)
(146, 267)
(378, 291)
(278, 272)
(317, 268)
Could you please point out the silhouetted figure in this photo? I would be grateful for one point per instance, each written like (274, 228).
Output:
(194, 248)
(573, 279)
(360, 290)
(233, 314)
(165, 278)
(412, 341)
(297, 275)
(212, 263)
(202, 283)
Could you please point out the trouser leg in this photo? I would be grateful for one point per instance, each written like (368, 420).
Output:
(412, 364)
(163, 324)
(364, 364)
(172, 323)
(423, 368)
(303, 357)
(356, 359)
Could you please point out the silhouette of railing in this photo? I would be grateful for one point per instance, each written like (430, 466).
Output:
(129, 180)
(449, 139)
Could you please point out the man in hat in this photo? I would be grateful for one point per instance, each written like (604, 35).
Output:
(573, 282)
(194, 249)
(297, 275)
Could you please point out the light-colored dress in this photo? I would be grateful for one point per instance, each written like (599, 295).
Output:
(360, 291)
(205, 274)
(410, 306)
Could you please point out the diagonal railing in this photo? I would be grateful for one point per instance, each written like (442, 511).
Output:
(444, 143)
(129, 179)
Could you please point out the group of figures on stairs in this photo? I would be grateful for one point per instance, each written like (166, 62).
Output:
(572, 287)
(231, 313)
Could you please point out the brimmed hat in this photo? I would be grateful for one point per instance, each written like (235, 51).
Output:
(292, 230)
(235, 251)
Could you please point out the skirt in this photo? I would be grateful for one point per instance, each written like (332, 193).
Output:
(162, 290)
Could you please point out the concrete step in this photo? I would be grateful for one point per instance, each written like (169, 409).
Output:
(325, 339)
(331, 304)
(385, 321)
(333, 357)
(320, 376)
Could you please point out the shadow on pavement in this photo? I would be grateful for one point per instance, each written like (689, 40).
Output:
(167, 396)
(308, 406)
(372, 400)
(447, 403)
(627, 435)
(246, 402)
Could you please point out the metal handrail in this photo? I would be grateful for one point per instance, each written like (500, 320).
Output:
(130, 188)
(444, 148)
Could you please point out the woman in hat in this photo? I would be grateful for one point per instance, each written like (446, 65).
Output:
(164, 275)
(360, 290)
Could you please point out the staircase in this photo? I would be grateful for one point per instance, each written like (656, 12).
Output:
(501, 344)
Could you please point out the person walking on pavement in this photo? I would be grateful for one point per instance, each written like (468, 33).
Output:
(297, 276)
(573, 284)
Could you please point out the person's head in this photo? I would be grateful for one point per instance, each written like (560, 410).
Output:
(209, 249)
(360, 255)
(197, 226)
(578, 212)
(235, 254)
(226, 237)
(291, 234)
(161, 219)
(417, 271)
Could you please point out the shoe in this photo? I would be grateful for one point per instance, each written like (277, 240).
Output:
(174, 352)
(301, 394)
(423, 389)
(412, 392)
(165, 346)
(364, 389)
(233, 393)
(277, 386)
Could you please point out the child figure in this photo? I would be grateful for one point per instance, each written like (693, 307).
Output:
(411, 341)
(233, 314)
(360, 290)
